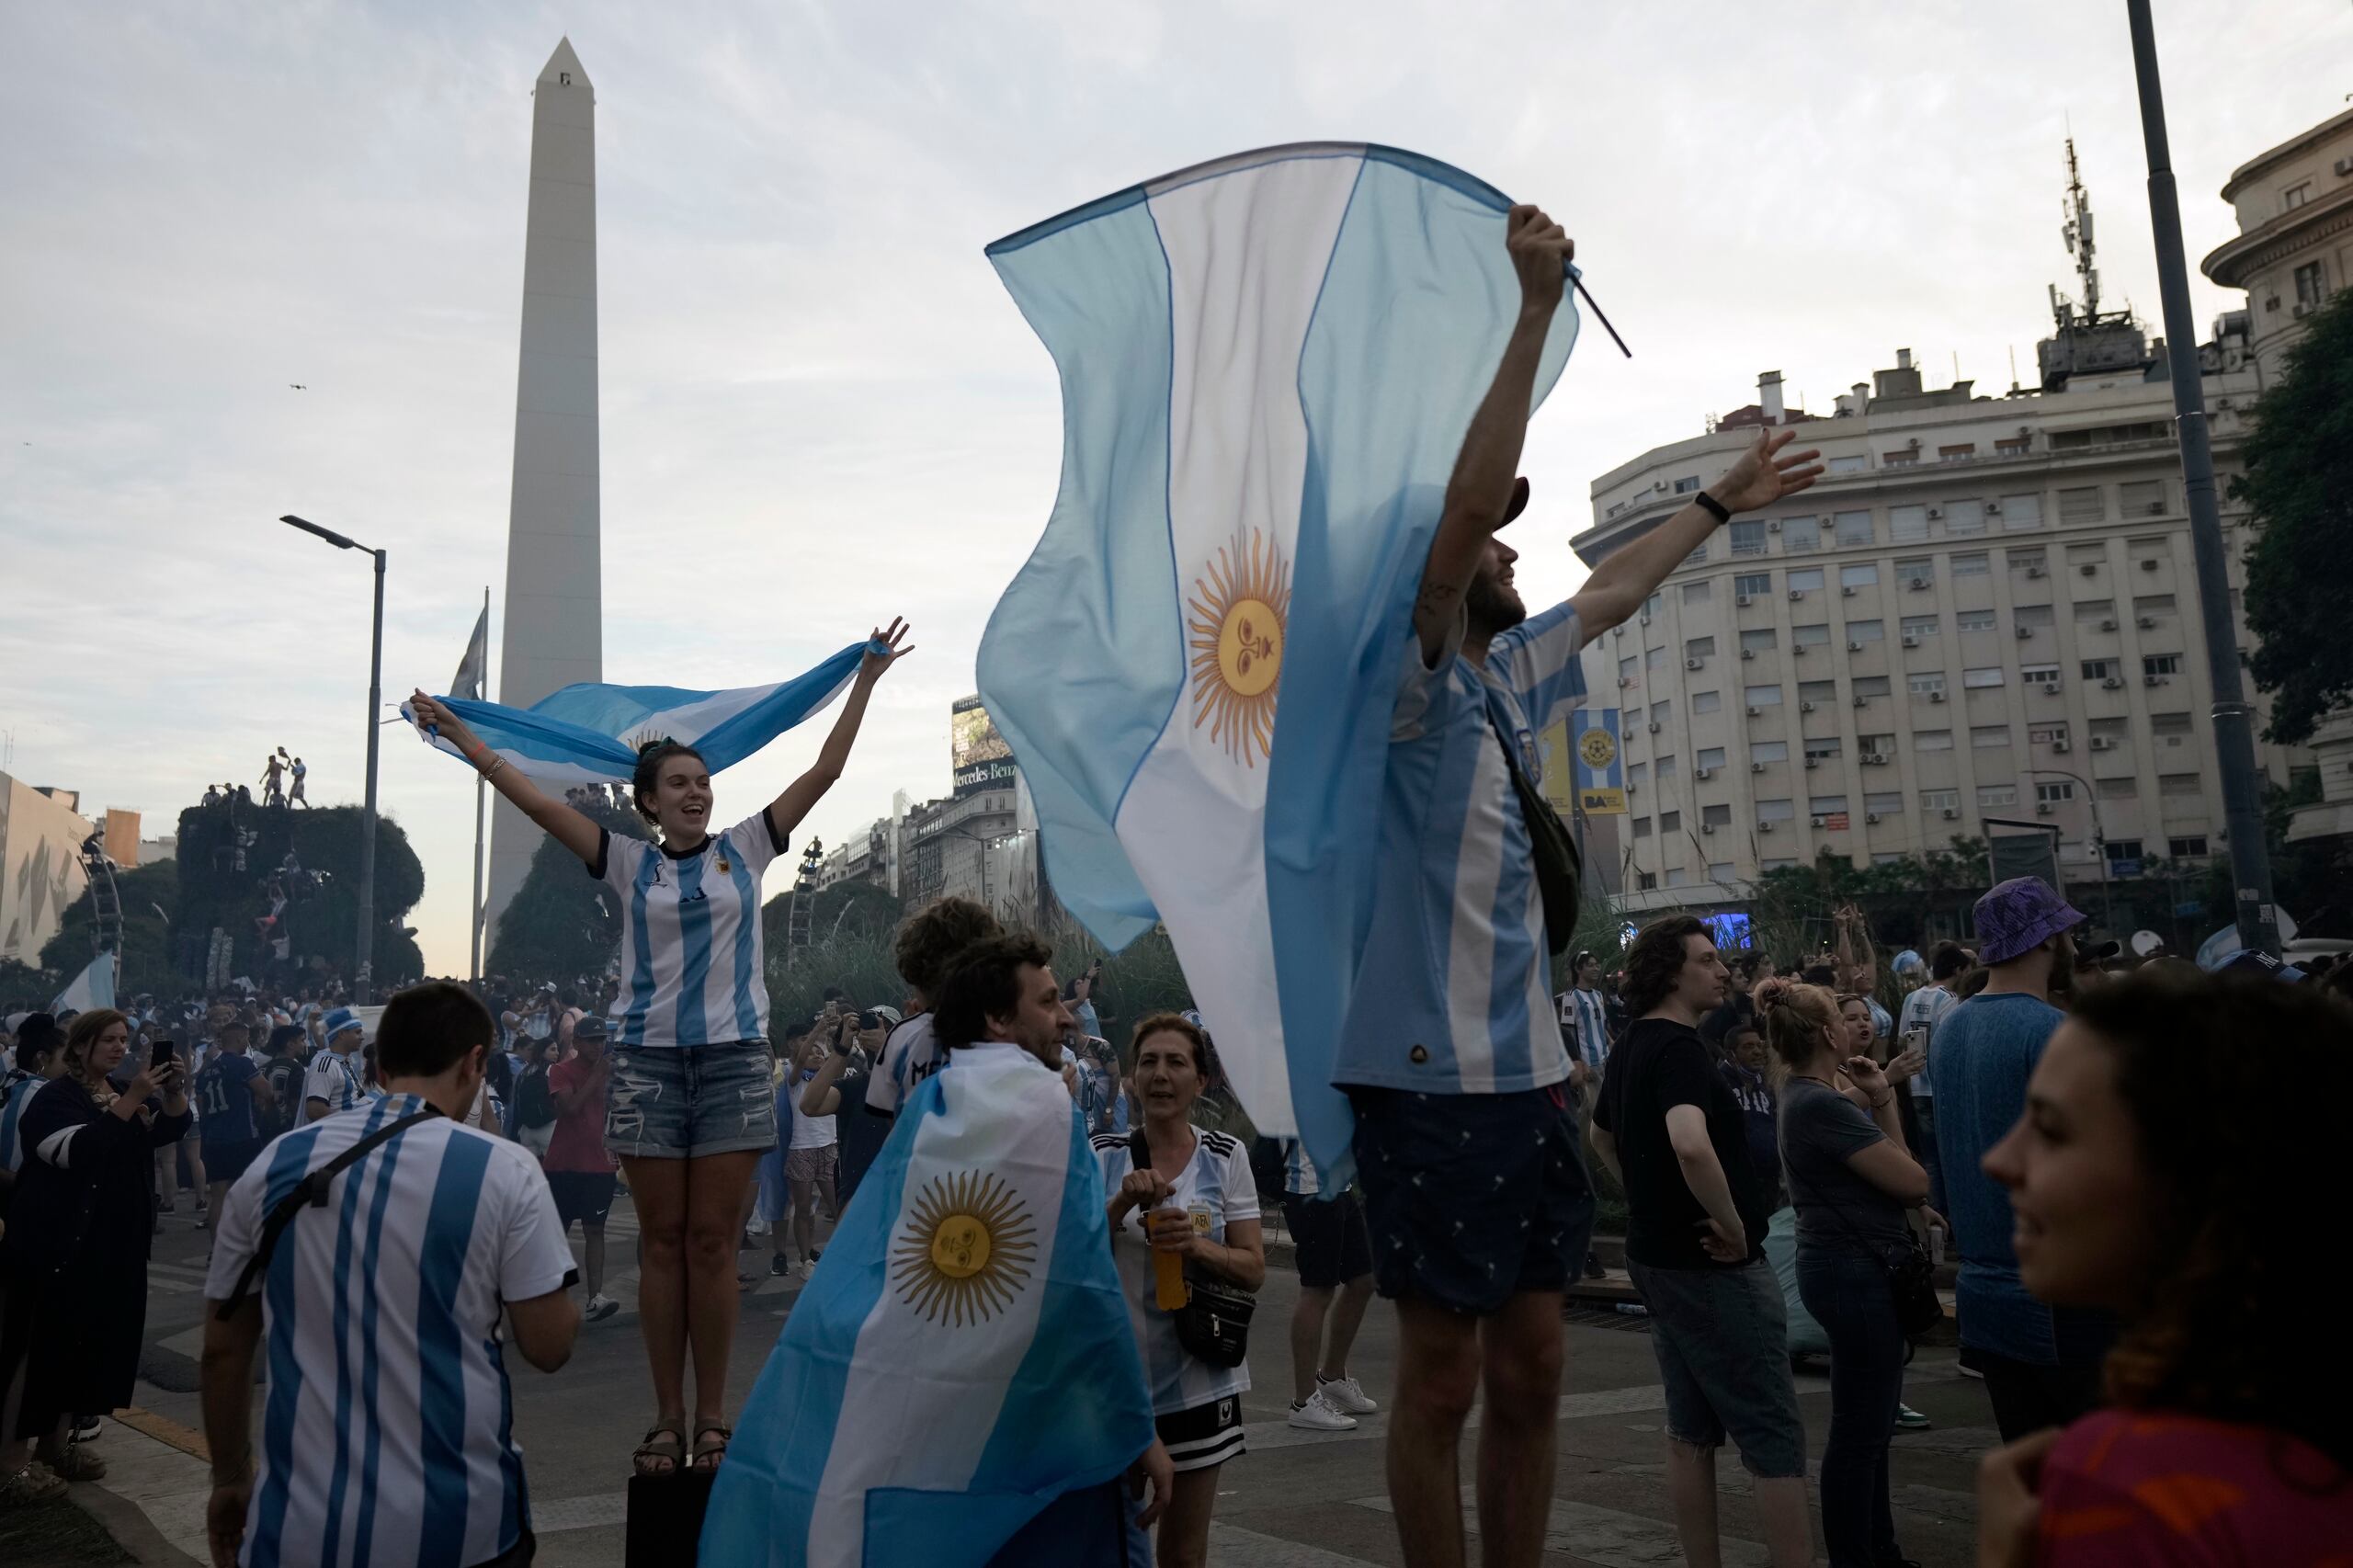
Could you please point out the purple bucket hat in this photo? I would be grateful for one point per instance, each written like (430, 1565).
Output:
(2018, 915)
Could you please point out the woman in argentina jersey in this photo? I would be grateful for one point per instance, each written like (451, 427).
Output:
(689, 1106)
(1191, 1194)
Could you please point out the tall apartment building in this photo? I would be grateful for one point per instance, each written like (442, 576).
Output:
(1986, 609)
(2294, 248)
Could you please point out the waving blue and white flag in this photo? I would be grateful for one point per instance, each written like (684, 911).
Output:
(94, 987)
(1268, 366)
(588, 734)
(962, 1357)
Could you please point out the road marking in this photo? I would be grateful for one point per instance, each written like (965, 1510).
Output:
(1603, 1535)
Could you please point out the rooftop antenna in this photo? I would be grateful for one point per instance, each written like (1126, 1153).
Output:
(2077, 233)
(2013, 366)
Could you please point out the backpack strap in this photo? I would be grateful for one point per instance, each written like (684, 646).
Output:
(311, 1192)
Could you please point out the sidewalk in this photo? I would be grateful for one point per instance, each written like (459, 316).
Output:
(148, 1509)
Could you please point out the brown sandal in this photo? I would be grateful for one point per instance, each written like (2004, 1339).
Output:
(665, 1443)
(706, 1450)
(23, 1488)
(72, 1461)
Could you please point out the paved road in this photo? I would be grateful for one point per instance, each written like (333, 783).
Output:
(1297, 1500)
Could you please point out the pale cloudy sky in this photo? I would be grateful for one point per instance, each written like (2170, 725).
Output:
(819, 408)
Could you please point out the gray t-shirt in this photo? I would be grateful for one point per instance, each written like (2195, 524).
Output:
(1821, 1130)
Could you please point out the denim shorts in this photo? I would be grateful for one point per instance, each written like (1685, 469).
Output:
(1723, 1342)
(1472, 1197)
(669, 1102)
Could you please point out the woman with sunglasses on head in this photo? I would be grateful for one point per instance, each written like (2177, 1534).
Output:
(690, 1106)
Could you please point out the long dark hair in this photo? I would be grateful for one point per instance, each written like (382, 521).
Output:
(2236, 1090)
(650, 758)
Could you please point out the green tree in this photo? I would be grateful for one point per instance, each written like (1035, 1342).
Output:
(560, 925)
(148, 894)
(228, 855)
(2299, 486)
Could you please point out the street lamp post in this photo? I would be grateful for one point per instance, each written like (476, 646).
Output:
(2099, 841)
(2258, 917)
(363, 977)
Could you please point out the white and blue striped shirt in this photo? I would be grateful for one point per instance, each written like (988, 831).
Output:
(1451, 996)
(1584, 1014)
(1299, 1170)
(386, 1434)
(334, 1079)
(911, 1054)
(1217, 1188)
(690, 937)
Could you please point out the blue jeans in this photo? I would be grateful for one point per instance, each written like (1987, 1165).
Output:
(1722, 1339)
(1846, 1291)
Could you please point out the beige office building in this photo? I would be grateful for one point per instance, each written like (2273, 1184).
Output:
(1986, 610)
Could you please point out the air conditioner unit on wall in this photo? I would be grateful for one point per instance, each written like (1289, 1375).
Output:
(2051, 688)
(1694, 663)
(1749, 653)
(1871, 816)
(1874, 759)
(1755, 767)
(1753, 712)
(1765, 828)
(1911, 639)
(1805, 706)
(1703, 773)
(2034, 571)
(2089, 568)
(2108, 625)
(1811, 763)
(1796, 594)
(2149, 565)
(1625, 681)
(1653, 726)
(1952, 812)
(2153, 680)
(2112, 684)
(1917, 584)
(1772, 524)
(2024, 633)
(1743, 600)
(1815, 822)
(2043, 807)
(1862, 701)
(1937, 696)
(1847, 590)
(2059, 745)
(1854, 647)
(2103, 742)
(2145, 622)
(1707, 827)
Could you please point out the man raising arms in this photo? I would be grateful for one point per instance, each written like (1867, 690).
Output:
(1457, 1067)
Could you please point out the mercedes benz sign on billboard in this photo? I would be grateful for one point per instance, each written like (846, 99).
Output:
(978, 753)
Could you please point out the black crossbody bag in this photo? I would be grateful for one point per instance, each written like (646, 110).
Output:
(311, 1192)
(1911, 1276)
(1553, 848)
(1214, 1322)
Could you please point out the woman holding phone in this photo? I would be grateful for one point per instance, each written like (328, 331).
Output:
(690, 1106)
(74, 1256)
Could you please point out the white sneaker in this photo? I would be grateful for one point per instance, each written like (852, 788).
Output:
(599, 1307)
(1320, 1415)
(1348, 1396)
(808, 1268)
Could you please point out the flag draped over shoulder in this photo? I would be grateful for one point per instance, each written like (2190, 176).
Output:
(1267, 367)
(589, 734)
(94, 987)
(961, 1359)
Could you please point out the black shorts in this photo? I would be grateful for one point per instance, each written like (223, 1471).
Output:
(227, 1162)
(585, 1195)
(1472, 1197)
(1208, 1433)
(1330, 1244)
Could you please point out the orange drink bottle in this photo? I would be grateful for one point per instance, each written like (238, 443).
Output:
(1167, 1279)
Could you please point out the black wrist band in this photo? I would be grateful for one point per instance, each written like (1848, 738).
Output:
(1712, 507)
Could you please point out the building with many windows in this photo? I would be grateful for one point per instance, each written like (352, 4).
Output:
(1984, 613)
(1986, 609)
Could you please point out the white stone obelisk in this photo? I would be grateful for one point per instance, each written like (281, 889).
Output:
(554, 627)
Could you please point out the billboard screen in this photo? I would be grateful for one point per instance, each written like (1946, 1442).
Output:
(978, 755)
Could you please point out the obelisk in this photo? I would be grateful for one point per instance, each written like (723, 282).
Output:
(553, 633)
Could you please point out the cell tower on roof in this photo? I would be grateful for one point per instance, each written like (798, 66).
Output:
(2083, 341)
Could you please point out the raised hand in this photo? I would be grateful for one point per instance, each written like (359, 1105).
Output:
(1766, 474)
(871, 667)
(438, 720)
(1541, 253)
(1866, 1075)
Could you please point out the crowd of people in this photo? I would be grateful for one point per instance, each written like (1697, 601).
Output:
(2116, 1162)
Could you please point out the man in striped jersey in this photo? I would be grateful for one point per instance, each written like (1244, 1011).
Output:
(1474, 1188)
(386, 1430)
(37, 1038)
(333, 1083)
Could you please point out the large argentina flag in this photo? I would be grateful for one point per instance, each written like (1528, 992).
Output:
(1267, 365)
(963, 1355)
(588, 734)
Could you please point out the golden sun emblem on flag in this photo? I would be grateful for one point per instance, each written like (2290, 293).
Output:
(1240, 608)
(966, 1250)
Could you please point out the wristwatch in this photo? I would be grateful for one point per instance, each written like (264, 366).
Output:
(1712, 507)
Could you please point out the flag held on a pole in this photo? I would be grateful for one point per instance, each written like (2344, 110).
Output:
(1268, 366)
(588, 734)
(94, 987)
(467, 682)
